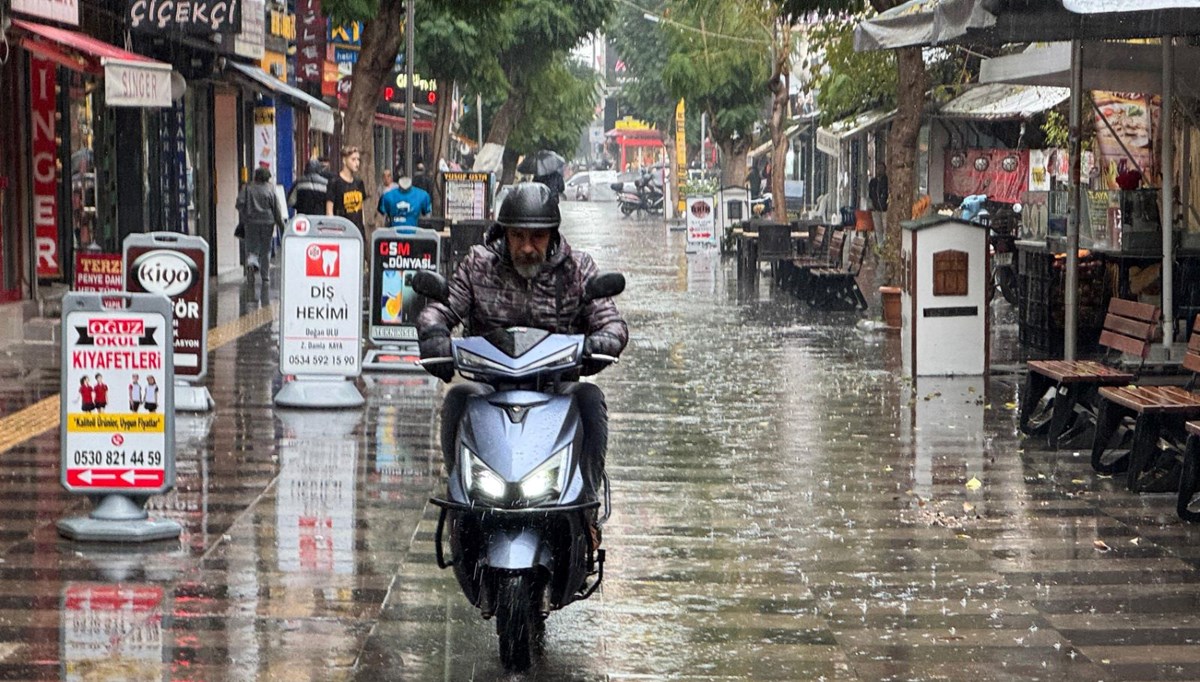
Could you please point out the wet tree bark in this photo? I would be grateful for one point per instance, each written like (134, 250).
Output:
(377, 55)
(441, 142)
(509, 171)
(902, 152)
(733, 169)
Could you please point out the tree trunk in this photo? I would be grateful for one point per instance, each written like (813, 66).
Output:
(733, 163)
(507, 116)
(778, 85)
(672, 178)
(509, 171)
(902, 153)
(376, 57)
(441, 141)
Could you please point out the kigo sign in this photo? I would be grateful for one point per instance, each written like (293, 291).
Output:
(175, 266)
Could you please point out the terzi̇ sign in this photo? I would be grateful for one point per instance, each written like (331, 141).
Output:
(203, 17)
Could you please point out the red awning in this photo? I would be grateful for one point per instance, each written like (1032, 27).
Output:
(130, 80)
(72, 49)
(420, 125)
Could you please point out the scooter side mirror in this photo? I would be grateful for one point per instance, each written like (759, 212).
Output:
(604, 285)
(431, 285)
(1017, 208)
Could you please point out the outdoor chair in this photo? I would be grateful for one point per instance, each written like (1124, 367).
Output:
(1158, 414)
(1069, 411)
(836, 288)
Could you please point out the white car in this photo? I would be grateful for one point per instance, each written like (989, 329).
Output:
(579, 187)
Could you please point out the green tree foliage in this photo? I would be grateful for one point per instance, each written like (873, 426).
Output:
(849, 82)
(644, 48)
(718, 62)
(561, 102)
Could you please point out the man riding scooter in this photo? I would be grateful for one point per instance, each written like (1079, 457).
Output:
(525, 274)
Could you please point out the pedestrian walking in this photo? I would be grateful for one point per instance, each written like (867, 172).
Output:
(347, 191)
(421, 180)
(259, 212)
(308, 194)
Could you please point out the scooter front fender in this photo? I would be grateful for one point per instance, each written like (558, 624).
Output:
(518, 549)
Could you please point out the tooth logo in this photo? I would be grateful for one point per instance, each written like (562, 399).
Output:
(324, 260)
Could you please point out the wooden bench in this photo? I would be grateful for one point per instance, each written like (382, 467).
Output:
(836, 288)
(1189, 475)
(802, 268)
(1070, 409)
(814, 244)
(1159, 413)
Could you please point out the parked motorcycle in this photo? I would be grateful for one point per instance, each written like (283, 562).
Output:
(517, 508)
(645, 196)
(1002, 239)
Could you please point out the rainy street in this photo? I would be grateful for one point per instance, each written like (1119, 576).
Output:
(785, 506)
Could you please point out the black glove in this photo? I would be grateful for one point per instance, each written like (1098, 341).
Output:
(601, 344)
(437, 347)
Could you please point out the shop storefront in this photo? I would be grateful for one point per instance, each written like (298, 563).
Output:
(77, 104)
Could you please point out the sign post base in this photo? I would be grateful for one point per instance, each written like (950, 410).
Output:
(189, 398)
(393, 358)
(319, 392)
(118, 518)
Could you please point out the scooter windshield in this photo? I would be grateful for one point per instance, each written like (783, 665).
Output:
(517, 353)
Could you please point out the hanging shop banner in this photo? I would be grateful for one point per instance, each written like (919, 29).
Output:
(466, 195)
(115, 627)
(1125, 122)
(701, 224)
(264, 139)
(310, 41)
(98, 272)
(205, 17)
(117, 381)
(43, 107)
(1001, 174)
(251, 41)
(172, 169)
(321, 327)
(1039, 170)
(396, 256)
(175, 266)
(680, 152)
(136, 84)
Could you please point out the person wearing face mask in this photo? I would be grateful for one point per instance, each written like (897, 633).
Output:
(526, 274)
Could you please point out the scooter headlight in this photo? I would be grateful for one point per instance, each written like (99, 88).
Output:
(548, 478)
(480, 478)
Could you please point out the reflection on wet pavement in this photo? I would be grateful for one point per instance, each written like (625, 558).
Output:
(785, 507)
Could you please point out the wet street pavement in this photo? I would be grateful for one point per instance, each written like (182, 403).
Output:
(786, 506)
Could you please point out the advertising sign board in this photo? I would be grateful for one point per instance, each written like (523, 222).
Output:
(116, 392)
(466, 195)
(397, 255)
(701, 223)
(321, 319)
(175, 266)
(98, 272)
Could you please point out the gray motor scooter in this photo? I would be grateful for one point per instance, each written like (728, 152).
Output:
(517, 506)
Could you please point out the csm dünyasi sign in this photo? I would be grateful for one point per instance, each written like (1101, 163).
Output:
(189, 16)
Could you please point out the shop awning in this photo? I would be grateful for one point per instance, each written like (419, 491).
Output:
(130, 80)
(1118, 67)
(830, 138)
(320, 114)
(1001, 102)
(420, 125)
(986, 22)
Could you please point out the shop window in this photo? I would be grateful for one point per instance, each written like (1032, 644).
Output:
(950, 273)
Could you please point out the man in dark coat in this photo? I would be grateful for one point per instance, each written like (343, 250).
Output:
(525, 274)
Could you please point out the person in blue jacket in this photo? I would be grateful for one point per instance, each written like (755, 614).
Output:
(404, 204)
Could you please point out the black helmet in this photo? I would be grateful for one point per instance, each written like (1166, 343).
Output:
(531, 206)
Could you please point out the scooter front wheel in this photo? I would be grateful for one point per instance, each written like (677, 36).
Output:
(626, 210)
(516, 623)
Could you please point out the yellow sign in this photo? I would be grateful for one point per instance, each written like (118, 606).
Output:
(92, 422)
(282, 24)
(264, 116)
(680, 153)
(631, 123)
(275, 64)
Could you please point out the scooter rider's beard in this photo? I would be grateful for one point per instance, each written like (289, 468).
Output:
(529, 267)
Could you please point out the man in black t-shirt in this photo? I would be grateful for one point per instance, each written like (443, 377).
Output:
(347, 193)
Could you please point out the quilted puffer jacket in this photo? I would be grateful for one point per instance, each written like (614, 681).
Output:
(486, 293)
